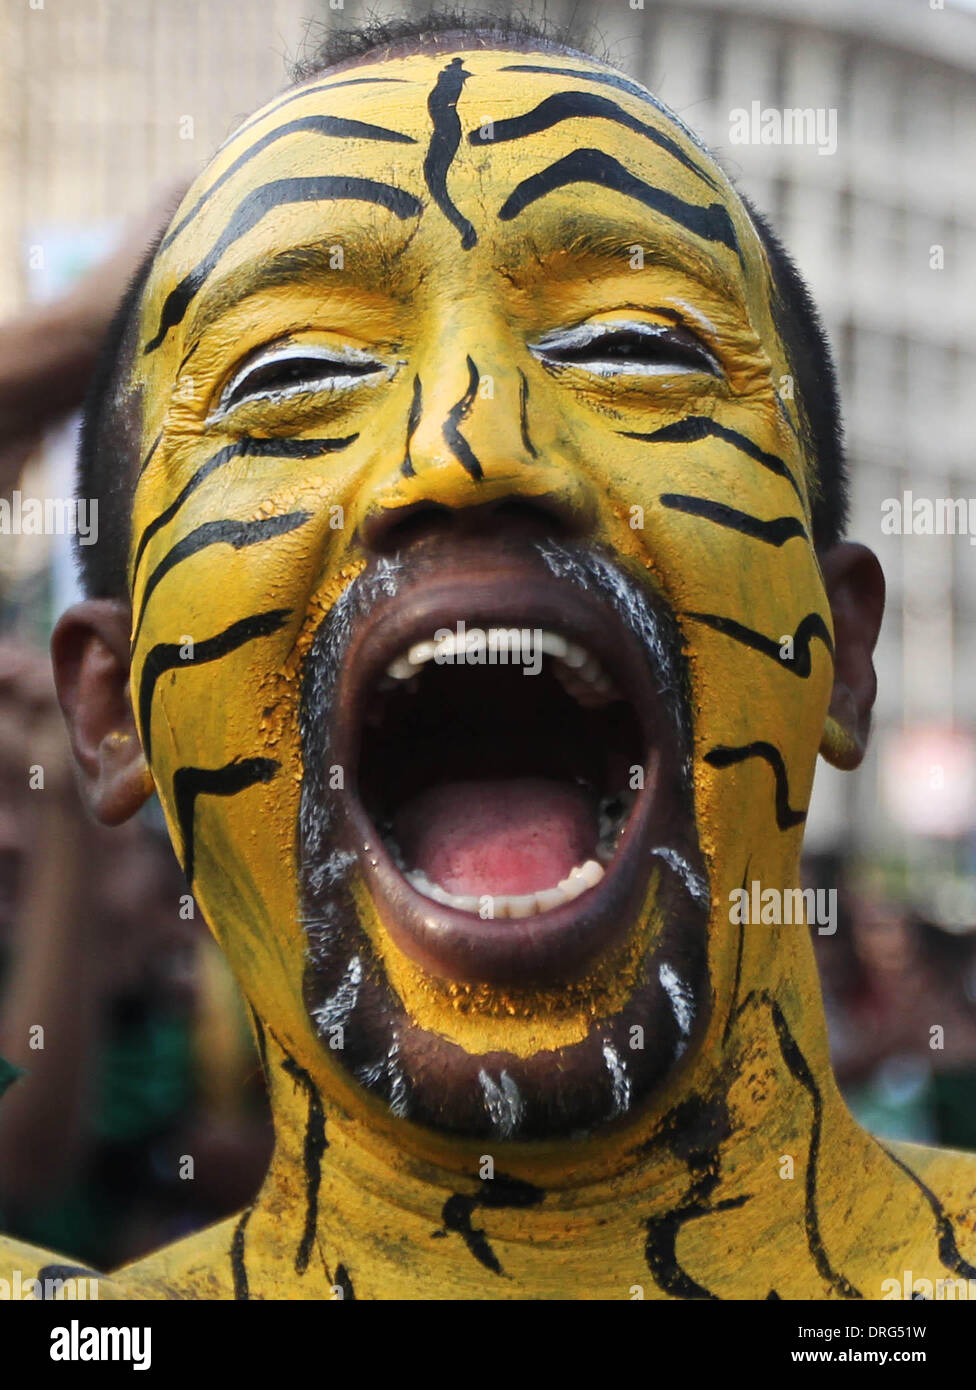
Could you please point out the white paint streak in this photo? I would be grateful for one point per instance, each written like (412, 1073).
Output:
(681, 998)
(385, 575)
(503, 1102)
(335, 1011)
(696, 316)
(370, 1075)
(399, 1101)
(695, 884)
(316, 363)
(618, 1076)
(593, 334)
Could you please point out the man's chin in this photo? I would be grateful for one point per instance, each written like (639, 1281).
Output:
(609, 1077)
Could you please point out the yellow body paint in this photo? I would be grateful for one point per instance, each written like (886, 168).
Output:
(442, 254)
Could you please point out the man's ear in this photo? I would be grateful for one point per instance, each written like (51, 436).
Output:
(856, 591)
(90, 654)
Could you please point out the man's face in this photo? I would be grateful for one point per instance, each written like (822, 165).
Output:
(466, 344)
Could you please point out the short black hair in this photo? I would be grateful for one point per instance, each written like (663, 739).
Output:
(107, 461)
(815, 381)
(379, 38)
(109, 442)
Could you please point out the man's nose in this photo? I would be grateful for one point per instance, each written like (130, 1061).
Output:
(480, 455)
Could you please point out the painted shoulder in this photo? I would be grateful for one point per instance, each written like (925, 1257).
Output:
(946, 1175)
(205, 1266)
(199, 1267)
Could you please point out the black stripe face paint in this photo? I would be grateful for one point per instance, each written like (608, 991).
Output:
(189, 783)
(413, 420)
(609, 79)
(257, 205)
(453, 437)
(786, 816)
(332, 126)
(524, 415)
(236, 534)
(567, 106)
(444, 142)
(775, 532)
(797, 657)
(696, 427)
(712, 223)
(247, 447)
(171, 656)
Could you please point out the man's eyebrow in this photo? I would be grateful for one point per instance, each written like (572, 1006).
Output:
(366, 265)
(615, 244)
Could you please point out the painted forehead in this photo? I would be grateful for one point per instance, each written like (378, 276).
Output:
(475, 150)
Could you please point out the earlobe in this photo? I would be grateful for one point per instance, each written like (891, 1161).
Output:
(90, 654)
(840, 746)
(856, 590)
(124, 782)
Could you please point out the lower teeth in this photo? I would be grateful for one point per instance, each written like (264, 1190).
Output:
(584, 876)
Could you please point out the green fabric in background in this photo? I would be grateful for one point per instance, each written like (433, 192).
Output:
(145, 1078)
(954, 1104)
(8, 1074)
(144, 1089)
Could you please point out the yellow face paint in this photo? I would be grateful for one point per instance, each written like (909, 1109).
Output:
(417, 290)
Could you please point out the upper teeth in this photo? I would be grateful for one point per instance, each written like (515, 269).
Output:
(578, 671)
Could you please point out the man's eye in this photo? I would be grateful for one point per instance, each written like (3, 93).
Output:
(274, 376)
(637, 349)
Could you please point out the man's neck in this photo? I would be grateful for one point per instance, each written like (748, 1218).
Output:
(750, 1180)
(759, 1145)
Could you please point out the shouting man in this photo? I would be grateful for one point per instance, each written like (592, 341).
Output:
(471, 592)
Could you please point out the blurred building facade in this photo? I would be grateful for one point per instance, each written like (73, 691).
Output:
(102, 102)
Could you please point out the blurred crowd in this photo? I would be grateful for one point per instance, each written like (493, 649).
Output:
(139, 1114)
(900, 998)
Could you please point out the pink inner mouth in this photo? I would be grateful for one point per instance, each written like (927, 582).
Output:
(506, 836)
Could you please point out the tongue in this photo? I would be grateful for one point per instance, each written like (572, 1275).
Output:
(517, 835)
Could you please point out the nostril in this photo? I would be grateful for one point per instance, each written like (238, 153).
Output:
(538, 516)
(394, 528)
(548, 517)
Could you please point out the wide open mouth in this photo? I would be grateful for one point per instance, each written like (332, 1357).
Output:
(500, 789)
(512, 766)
